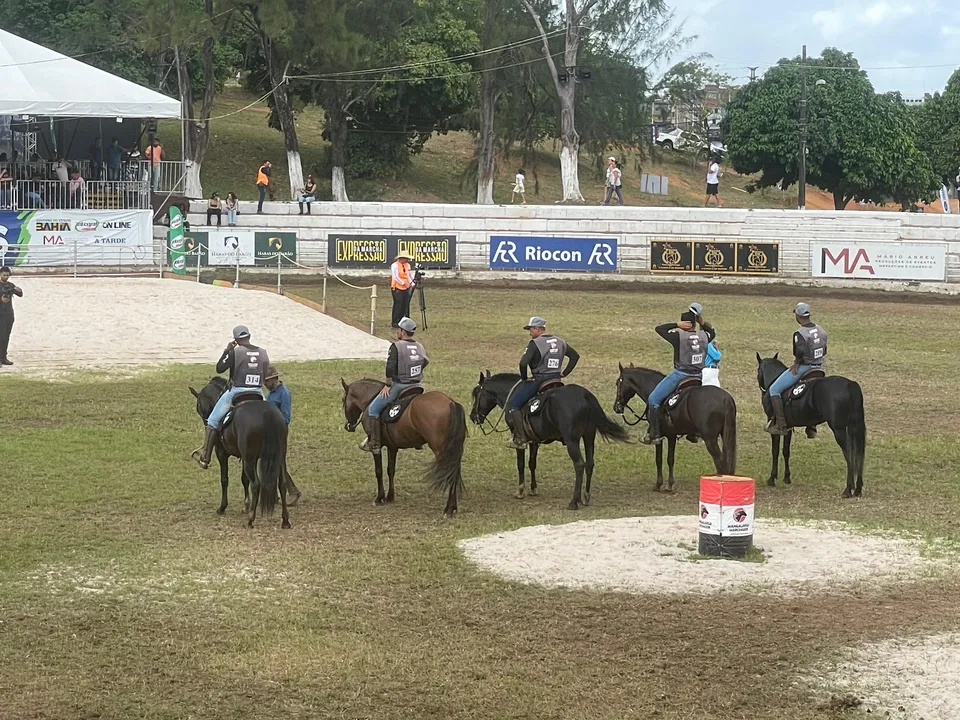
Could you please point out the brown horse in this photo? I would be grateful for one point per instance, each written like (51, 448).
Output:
(433, 419)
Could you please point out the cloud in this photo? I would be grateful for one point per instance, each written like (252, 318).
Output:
(881, 12)
(830, 22)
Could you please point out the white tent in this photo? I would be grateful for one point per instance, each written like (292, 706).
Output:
(38, 81)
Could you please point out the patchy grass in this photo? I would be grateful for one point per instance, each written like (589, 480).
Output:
(123, 595)
(753, 555)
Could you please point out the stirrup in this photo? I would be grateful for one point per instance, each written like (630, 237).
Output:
(198, 456)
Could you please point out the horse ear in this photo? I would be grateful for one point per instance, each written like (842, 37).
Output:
(776, 355)
(620, 366)
(345, 387)
(759, 359)
(195, 393)
(481, 379)
(488, 373)
(631, 365)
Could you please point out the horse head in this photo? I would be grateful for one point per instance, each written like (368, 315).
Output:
(625, 391)
(768, 370)
(484, 400)
(207, 398)
(352, 408)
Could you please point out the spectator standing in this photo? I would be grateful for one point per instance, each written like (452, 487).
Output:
(96, 160)
(519, 188)
(214, 209)
(713, 182)
(308, 194)
(263, 184)
(60, 170)
(401, 286)
(7, 291)
(233, 206)
(78, 190)
(278, 394)
(115, 155)
(614, 182)
(6, 189)
(711, 365)
(154, 153)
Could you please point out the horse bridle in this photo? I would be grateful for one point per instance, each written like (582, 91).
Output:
(626, 406)
(486, 419)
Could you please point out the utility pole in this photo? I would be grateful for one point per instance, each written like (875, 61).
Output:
(753, 72)
(802, 180)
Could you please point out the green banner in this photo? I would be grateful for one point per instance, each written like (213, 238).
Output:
(266, 245)
(193, 241)
(178, 260)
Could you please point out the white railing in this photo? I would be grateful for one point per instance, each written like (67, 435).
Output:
(85, 257)
(167, 175)
(89, 195)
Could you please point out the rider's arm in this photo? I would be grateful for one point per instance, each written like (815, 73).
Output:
(798, 347)
(225, 362)
(393, 364)
(671, 337)
(286, 406)
(531, 357)
(710, 331)
(573, 357)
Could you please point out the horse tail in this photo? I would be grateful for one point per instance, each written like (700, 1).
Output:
(729, 455)
(445, 472)
(271, 458)
(856, 429)
(608, 429)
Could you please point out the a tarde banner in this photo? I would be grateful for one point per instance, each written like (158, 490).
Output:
(58, 238)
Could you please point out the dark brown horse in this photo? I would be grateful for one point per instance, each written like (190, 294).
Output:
(702, 412)
(432, 419)
(258, 436)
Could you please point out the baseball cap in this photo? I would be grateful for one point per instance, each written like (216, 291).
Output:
(612, 158)
(535, 322)
(696, 308)
(407, 324)
(240, 332)
(802, 309)
(271, 373)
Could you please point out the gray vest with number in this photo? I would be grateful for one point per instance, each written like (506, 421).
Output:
(693, 351)
(552, 351)
(411, 358)
(249, 367)
(814, 345)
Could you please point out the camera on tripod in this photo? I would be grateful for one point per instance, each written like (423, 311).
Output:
(419, 274)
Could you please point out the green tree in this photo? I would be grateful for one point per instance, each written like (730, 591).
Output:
(860, 146)
(937, 125)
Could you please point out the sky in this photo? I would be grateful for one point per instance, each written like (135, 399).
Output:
(894, 40)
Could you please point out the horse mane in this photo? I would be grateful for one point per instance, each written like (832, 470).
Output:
(219, 382)
(643, 370)
(502, 377)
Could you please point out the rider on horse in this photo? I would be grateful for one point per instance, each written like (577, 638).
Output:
(542, 358)
(405, 364)
(809, 352)
(689, 354)
(247, 365)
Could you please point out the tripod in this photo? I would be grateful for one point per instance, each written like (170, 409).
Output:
(423, 303)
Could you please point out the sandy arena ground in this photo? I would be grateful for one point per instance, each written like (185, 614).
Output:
(903, 679)
(121, 323)
(654, 555)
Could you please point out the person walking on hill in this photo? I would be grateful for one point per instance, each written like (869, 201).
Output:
(713, 182)
(614, 182)
(401, 287)
(263, 184)
(519, 188)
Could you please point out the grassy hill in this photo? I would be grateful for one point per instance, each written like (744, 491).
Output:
(241, 139)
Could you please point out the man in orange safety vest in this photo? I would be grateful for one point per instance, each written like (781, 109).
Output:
(401, 285)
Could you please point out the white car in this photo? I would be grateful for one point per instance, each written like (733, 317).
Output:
(672, 140)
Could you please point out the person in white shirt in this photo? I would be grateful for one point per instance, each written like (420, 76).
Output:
(518, 188)
(60, 170)
(713, 182)
(614, 182)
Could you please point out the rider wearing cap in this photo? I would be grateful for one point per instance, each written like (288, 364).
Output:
(247, 365)
(809, 353)
(711, 365)
(279, 395)
(401, 287)
(689, 354)
(543, 359)
(405, 364)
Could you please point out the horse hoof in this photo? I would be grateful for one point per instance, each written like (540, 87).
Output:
(586, 500)
(286, 525)
(786, 481)
(573, 506)
(533, 492)
(250, 523)
(519, 494)
(448, 514)
(389, 498)
(669, 489)
(378, 501)
(221, 511)
(771, 483)
(656, 488)
(295, 500)
(846, 494)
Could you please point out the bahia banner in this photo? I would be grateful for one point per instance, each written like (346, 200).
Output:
(527, 252)
(61, 238)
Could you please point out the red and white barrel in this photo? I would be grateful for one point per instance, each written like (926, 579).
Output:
(726, 515)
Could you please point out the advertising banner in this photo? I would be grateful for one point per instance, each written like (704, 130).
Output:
(268, 244)
(715, 257)
(524, 252)
(178, 260)
(434, 252)
(879, 260)
(196, 239)
(59, 238)
(226, 246)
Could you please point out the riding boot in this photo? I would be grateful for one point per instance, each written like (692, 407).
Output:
(519, 439)
(653, 432)
(777, 425)
(301, 207)
(371, 443)
(202, 456)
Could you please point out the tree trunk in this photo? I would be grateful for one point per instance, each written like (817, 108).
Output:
(570, 145)
(839, 200)
(276, 70)
(485, 140)
(336, 120)
(196, 128)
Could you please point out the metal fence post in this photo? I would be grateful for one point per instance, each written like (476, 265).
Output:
(279, 289)
(236, 282)
(323, 304)
(373, 306)
(199, 253)
(75, 257)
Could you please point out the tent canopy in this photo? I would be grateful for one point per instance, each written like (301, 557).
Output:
(38, 81)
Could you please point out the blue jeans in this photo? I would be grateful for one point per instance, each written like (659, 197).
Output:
(380, 402)
(231, 217)
(224, 404)
(787, 380)
(666, 386)
(523, 393)
(610, 191)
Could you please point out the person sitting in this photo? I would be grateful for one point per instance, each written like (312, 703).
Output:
(214, 208)
(542, 358)
(308, 194)
(689, 354)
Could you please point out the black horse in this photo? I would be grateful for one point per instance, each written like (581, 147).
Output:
(258, 436)
(568, 414)
(834, 400)
(702, 412)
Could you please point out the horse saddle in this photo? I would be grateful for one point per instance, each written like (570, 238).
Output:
(801, 387)
(394, 410)
(535, 403)
(238, 400)
(674, 400)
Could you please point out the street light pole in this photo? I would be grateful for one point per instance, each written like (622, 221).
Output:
(802, 180)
